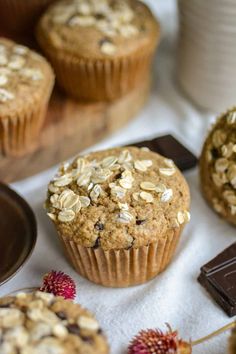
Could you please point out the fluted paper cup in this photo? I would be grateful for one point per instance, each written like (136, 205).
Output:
(97, 79)
(122, 268)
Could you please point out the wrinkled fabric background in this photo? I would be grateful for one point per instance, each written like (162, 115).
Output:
(175, 296)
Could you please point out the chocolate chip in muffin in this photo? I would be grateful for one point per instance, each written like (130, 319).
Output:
(61, 315)
(140, 222)
(87, 339)
(99, 226)
(73, 329)
(97, 243)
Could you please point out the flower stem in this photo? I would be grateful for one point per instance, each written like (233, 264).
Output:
(214, 334)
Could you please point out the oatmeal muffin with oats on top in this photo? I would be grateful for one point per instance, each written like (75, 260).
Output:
(100, 50)
(218, 166)
(26, 82)
(119, 214)
(40, 323)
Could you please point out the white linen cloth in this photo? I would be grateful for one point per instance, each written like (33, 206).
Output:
(175, 296)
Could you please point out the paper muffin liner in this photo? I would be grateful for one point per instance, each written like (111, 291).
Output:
(19, 16)
(99, 79)
(122, 268)
(19, 131)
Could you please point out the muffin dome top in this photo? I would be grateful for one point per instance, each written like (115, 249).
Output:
(118, 198)
(40, 323)
(23, 73)
(218, 166)
(98, 29)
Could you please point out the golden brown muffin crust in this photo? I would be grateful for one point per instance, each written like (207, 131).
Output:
(98, 29)
(218, 166)
(40, 323)
(118, 198)
(24, 75)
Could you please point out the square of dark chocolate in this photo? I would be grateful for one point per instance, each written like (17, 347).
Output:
(170, 147)
(218, 277)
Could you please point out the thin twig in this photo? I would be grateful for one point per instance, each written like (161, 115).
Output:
(215, 333)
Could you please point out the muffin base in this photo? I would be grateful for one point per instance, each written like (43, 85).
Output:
(122, 268)
(88, 80)
(19, 131)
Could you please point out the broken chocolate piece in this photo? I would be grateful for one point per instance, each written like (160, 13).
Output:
(171, 148)
(218, 277)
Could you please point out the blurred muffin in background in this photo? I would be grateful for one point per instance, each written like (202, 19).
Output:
(218, 166)
(26, 82)
(18, 17)
(41, 323)
(100, 50)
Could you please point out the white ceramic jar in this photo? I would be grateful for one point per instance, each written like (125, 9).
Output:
(206, 63)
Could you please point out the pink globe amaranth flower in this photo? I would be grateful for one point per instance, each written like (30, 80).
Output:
(59, 284)
(154, 341)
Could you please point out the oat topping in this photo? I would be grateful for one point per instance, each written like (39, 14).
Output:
(148, 197)
(111, 18)
(107, 47)
(167, 195)
(87, 182)
(41, 323)
(5, 95)
(16, 64)
(167, 171)
(124, 217)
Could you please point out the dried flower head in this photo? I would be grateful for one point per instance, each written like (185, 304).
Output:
(59, 284)
(155, 341)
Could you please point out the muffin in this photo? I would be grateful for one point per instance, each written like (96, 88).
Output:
(232, 342)
(100, 50)
(119, 214)
(26, 82)
(218, 167)
(19, 17)
(40, 323)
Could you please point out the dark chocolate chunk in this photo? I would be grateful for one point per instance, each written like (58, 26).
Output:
(171, 148)
(87, 339)
(97, 243)
(61, 315)
(99, 226)
(218, 277)
(118, 176)
(99, 16)
(140, 222)
(215, 153)
(73, 329)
